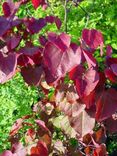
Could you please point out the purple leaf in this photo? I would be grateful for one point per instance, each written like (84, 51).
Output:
(35, 25)
(114, 69)
(13, 42)
(7, 67)
(4, 25)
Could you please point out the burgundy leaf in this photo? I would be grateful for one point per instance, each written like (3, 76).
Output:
(6, 9)
(24, 60)
(13, 42)
(4, 25)
(60, 62)
(62, 41)
(10, 8)
(110, 75)
(42, 40)
(50, 19)
(111, 125)
(91, 61)
(32, 74)
(29, 51)
(109, 51)
(85, 82)
(7, 67)
(35, 25)
(58, 22)
(114, 68)
(92, 38)
(106, 104)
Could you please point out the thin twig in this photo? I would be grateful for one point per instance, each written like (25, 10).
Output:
(65, 16)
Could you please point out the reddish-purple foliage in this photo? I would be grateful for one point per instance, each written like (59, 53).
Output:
(87, 98)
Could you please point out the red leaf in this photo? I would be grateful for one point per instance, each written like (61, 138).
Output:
(100, 151)
(39, 150)
(62, 41)
(37, 3)
(91, 61)
(106, 104)
(86, 82)
(110, 75)
(92, 38)
(60, 62)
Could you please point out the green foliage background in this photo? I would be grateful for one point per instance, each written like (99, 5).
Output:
(16, 97)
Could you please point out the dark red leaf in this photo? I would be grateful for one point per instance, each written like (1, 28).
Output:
(106, 104)
(6, 9)
(32, 74)
(58, 22)
(110, 75)
(111, 125)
